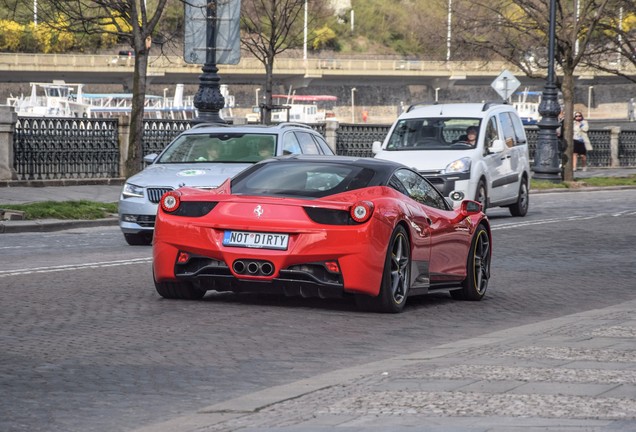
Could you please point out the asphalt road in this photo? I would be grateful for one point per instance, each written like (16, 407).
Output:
(87, 344)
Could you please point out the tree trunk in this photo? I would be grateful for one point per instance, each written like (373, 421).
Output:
(269, 83)
(568, 126)
(135, 149)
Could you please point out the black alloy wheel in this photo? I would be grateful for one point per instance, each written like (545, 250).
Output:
(477, 268)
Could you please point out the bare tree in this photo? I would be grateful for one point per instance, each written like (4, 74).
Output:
(517, 31)
(270, 27)
(615, 46)
(131, 20)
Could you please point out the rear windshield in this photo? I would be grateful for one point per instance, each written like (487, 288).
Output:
(304, 179)
(432, 134)
(220, 147)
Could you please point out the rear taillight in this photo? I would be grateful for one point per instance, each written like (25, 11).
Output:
(170, 201)
(361, 211)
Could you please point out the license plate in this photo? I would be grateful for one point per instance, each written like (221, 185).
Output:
(256, 240)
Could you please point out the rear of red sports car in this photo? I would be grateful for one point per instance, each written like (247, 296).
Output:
(325, 227)
(223, 242)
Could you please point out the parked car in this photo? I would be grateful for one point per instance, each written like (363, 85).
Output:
(186, 161)
(324, 227)
(494, 171)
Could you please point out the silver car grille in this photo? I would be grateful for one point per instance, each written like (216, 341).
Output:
(155, 194)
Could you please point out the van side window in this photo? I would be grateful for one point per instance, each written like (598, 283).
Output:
(492, 132)
(520, 133)
(507, 129)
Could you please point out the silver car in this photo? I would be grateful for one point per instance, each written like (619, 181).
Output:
(204, 157)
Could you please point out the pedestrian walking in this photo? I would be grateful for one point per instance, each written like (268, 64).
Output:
(581, 141)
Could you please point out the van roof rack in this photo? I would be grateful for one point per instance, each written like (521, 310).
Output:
(420, 104)
(489, 104)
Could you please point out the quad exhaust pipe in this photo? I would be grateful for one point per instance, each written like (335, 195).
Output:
(253, 267)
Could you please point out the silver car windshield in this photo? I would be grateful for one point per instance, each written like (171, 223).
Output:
(433, 134)
(221, 147)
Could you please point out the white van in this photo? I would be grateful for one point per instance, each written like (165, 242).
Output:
(494, 171)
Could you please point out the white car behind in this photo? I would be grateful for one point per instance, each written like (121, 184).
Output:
(494, 171)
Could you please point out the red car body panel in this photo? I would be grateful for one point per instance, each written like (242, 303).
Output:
(440, 240)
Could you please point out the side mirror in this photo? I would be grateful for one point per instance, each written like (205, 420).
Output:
(376, 147)
(150, 158)
(497, 146)
(467, 208)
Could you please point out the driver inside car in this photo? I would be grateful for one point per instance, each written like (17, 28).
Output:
(470, 138)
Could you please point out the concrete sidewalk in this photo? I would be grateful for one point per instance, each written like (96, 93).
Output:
(575, 373)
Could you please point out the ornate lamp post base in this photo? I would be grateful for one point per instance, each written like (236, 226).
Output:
(547, 159)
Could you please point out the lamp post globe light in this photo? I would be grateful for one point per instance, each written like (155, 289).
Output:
(547, 158)
(208, 100)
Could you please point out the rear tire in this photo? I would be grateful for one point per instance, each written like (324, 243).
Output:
(179, 290)
(395, 278)
(520, 208)
(477, 268)
(139, 239)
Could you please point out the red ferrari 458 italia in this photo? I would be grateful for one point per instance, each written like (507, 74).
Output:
(325, 226)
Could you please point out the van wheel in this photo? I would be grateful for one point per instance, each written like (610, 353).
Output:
(520, 208)
(482, 195)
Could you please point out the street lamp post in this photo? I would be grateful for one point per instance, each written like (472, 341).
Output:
(305, 34)
(257, 91)
(547, 158)
(208, 100)
(353, 105)
(589, 101)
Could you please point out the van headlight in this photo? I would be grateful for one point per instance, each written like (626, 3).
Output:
(458, 166)
(131, 190)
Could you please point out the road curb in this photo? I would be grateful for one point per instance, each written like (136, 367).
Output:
(582, 189)
(49, 225)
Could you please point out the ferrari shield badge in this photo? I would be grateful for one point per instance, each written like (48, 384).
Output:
(258, 211)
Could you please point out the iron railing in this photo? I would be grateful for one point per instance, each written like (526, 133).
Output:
(69, 148)
(65, 148)
(159, 133)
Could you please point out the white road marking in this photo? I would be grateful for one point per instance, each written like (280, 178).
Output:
(52, 269)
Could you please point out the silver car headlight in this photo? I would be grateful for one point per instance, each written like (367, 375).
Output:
(132, 191)
(458, 166)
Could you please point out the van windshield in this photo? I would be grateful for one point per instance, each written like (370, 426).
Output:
(434, 134)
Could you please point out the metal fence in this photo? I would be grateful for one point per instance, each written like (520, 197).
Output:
(600, 139)
(159, 133)
(61, 148)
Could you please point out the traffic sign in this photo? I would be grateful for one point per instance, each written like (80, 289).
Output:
(505, 84)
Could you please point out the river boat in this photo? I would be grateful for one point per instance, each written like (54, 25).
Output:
(68, 100)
